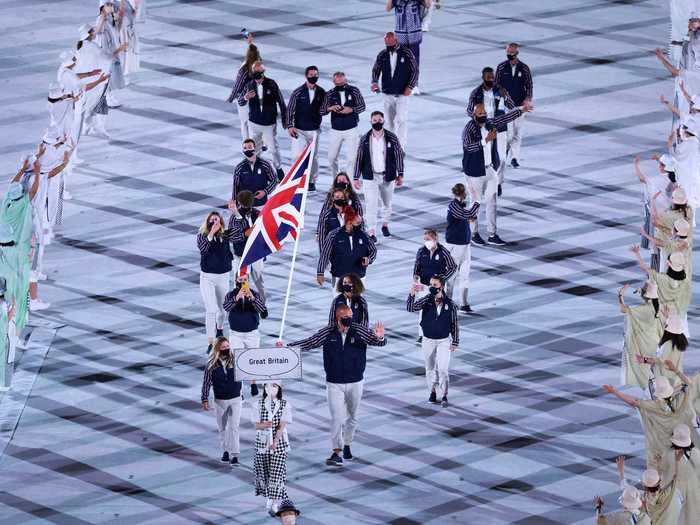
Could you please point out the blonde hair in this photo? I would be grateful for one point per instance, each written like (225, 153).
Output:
(204, 228)
(215, 354)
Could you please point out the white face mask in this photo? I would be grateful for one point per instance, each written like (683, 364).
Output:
(430, 245)
(289, 520)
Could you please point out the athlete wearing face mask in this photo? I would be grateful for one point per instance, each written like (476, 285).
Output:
(340, 190)
(240, 227)
(344, 103)
(220, 374)
(431, 259)
(332, 218)
(398, 68)
(481, 162)
(379, 167)
(265, 102)
(344, 357)
(350, 289)
(304, 123)
(495, 100)
(515, 77)
(254, 174)
(440, 328)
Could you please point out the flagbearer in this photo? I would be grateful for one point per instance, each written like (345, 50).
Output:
(344, 357)
(348, 248)
(240, 226)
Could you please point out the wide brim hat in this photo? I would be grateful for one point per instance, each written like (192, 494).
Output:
(682, 227)
(55, 90)
(651, 291)
(286, 506)
(674, 325)
(668, 161)
(679, 197)
(651, 478)
(681, 436)
(84, 31)
(7, 233)
(663, 388)
(67, 57)
(631, 499)
(676, 261)
(15, 191)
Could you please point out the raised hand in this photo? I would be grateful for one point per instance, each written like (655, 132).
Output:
(635, 249)
(379, 329)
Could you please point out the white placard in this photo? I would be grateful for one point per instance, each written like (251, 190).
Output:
(263, 364)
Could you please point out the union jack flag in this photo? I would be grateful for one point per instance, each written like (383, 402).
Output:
(282, 216)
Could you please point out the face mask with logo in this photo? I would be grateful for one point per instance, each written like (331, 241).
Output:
(481, 119)
(433, 290)
(341, 185)
(224, 353)
(488, 84)
(340, 202)
(377, 126)
(512, 57)
(258, 75)
(429, 244)
(249, 152)
(312, 80)
(346, 321)
(347, 288)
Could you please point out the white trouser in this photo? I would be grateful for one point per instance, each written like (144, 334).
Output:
(255, 274)
(12, 337)
(501, 147)
(244, 339)
(54, 198)
(268, 136)
(298, 145)
(374, 190)
(486, 189)
(343, 404)
(228, 419)
(351, 140)
(515, 137)
(214, 287)
(437, 364)
(396, 116)
(462, 255)
(243, 117)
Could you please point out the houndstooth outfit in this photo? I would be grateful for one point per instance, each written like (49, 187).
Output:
(271, 466)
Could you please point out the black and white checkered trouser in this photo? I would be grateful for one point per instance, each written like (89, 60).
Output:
(271, 475)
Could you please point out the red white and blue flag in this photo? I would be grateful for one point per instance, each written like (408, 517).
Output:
(282, 216)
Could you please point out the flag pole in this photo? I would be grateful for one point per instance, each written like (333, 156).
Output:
(296, 242)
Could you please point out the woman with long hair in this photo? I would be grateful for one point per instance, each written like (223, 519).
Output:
(245, 308)
(272, 415)
(350, 289)
(215, 269)
(245, 75)
(643, 330)
(341, 182)
(219, 373)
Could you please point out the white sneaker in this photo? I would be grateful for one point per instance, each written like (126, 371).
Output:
(67, 195)
(425, 27)
(37, 304)
(416, 91)
(41, 276)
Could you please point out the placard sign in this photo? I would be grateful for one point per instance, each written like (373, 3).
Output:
(263, 364)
